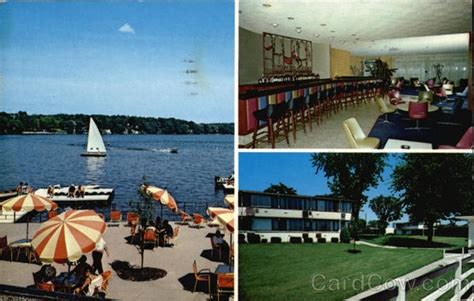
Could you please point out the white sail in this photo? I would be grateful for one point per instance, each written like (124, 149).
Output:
(95, 144)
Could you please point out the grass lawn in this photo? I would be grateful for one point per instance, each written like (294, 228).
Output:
(416, 241)
(321, 271)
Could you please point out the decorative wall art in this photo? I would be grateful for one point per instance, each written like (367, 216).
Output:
(286, 56)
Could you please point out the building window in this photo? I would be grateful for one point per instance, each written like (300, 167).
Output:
(295, 224)
(346, 207)
(261, 224)
(327, 206)
(261, 201)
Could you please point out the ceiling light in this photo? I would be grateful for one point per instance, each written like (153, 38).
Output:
(464, 68)
(323, 24)
(266, 5)
(291, 18)
(316, 35)
(275, 24)
(298, 30)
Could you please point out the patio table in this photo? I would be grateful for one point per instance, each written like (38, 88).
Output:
(22, 245)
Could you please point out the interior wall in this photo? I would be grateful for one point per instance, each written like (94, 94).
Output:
(340, 62)
(251, 57)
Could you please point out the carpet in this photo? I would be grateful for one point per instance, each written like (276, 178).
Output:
(437, 134)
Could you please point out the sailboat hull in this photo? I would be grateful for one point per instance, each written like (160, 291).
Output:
(94, 154)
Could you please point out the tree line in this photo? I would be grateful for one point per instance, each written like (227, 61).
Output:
(18, 123)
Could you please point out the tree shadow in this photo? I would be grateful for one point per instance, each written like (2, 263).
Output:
(216, 258)
(414, 243)
(129, 272)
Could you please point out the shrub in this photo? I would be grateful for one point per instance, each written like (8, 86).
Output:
(307, 240)
(295, 240)
(242, 239)
(253, 238)
(275, 240)
(334, 240)
(322, 240)
(345, 236)
(264, 241)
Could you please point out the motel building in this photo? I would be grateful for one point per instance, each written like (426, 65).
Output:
(309, 218)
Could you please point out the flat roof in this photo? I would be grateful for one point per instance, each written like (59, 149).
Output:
(297, 196)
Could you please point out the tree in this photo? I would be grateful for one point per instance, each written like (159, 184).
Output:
(280, 189)
(434, 187)
(387, 209)
(350, 175)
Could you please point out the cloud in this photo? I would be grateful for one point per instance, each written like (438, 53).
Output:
(125, 28)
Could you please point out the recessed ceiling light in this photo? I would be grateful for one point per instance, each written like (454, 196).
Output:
(291, 18)
(275, 24)
(298, 30)
(316, 35)
(464, 68)
(323, 24)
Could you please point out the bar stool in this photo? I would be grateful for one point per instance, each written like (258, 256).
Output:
(330, 98)
(313, 105)
(348, 89)
(296, 106)
(273, 114)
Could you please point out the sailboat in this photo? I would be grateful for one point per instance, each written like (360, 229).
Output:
(95, 144)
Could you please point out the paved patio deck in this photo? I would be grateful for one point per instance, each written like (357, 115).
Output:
(192, 244)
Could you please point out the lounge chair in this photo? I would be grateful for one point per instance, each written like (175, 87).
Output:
(185, 218)
(202, 275)
(149, 237)
(115, 218)
(132, 218)
(225, 284)
(174, 237)
(197, 220)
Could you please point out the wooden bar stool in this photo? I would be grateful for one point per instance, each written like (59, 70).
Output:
(274, 116)
(297, 107)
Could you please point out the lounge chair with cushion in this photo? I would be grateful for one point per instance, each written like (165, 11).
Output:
(466, 141)
(185, 218)
(356, 137)
(197, 220)
(225, 284)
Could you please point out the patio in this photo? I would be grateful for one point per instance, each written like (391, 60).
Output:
(191, 244)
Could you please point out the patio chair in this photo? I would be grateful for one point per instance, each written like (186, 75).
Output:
(115, 218)
(217, 248)
(4, 245)
(132, 218)
(225, 284)
(149, 237)
(200, 276)
(174, 237)
(384, 109)
(197, 220)
(418, 111)
(185, 218)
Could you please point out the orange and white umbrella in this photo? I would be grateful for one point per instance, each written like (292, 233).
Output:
(224, 216)
(67, 236)
(28, 202)
(229, 200)
(162, 196)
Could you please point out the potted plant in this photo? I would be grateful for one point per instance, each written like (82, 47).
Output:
(380, 69)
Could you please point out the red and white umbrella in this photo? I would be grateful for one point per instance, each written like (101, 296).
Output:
(163, 196)
(28, 202)
(67, 236)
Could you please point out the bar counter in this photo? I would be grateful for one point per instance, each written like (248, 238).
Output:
(255, 97)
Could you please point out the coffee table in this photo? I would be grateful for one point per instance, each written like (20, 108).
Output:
(397, 144)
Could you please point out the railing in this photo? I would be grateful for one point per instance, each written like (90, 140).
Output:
(13, 293)
(401, 286)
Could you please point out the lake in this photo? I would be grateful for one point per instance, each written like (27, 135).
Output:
(43, 160)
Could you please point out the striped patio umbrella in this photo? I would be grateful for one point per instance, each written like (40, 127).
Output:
(67, 236)
(224, 216)
(229, 200)
(162, 196)
(28, 202)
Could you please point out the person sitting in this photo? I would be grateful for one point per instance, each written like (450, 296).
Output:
(19, 187)
(79, 270)
(47, 274)
(150, 226)
(71, 191)
(90, 284)
(463, 93)
(82, 191)
(50, 191)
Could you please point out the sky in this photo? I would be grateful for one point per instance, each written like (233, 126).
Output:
(257, 171)
(119, 57)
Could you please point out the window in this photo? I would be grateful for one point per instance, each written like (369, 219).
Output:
(295, 224)
(327, 206)
(261, 224)
(261, 201)
(346, 207)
